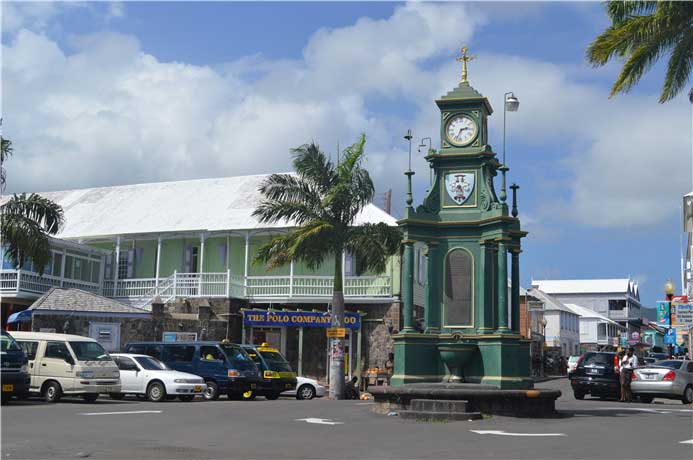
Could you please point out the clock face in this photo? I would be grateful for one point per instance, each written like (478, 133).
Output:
(461, 130)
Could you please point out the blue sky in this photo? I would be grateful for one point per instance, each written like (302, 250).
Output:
(137, 92)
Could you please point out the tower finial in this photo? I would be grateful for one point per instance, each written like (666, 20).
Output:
(464, 59)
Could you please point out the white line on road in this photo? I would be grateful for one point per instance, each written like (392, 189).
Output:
(503, 433)
(364, 404)
(690, 441)
(126, 412)
(319, 421)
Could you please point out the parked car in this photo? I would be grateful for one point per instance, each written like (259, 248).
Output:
(15, 375)
(225, 367)
(306, 389)
(275, 372)
(597, 374)
(658, 356)
(145, 376)
(63, 364)
(572, 363)
(671, 379)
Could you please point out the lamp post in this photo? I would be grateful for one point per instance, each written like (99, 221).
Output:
(543, 344)
(669, 290)
(510, 104)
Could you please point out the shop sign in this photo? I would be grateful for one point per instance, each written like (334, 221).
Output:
(179, 337)
(663, 313)
(684, 315)
(336, 332)
(670, 336)
(297, 319)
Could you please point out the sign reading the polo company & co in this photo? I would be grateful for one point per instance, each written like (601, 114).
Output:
(459, 186)
(297, 319)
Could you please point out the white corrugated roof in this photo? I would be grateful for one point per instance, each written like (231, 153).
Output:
(192, 205)
(550, 303)
(588, 313)
(593, 286)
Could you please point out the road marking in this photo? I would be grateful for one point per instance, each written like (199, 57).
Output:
(125, 412)
(690, 441)
(503, 433)
(364, 404)
(638, 409)
(319, 421)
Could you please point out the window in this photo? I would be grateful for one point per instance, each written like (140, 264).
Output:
(154, 351)
(458, 287)
(29, 349)
(617, 304)
(211, 353)
(125, 364)
(123, 265)
(151, 364)
(57, 263)
(180, 353)
(56, 350)
(136, 349)
(690, 367)
(90, 351)
(601, 331)
(195, 259)
(8, 343)
(599, 359)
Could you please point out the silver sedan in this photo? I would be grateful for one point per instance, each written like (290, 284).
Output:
(671, 379)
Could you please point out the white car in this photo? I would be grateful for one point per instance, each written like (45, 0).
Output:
(306, 389)
(148, 377)
(572, 363)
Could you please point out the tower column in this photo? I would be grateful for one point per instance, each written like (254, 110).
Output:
(432, 311)
(408, 286)
(515, 290)
(502, 287)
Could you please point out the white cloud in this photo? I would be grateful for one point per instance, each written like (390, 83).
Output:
(108, 113)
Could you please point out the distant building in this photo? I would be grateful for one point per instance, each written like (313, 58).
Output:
(597, 332)
(616, 299)
(562, 332)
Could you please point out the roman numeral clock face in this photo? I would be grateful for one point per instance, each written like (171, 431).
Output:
(461, 130)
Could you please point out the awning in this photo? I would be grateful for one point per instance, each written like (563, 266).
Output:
(19, 317)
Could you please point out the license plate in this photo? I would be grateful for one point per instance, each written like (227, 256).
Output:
(197, 388)
(253, 386)
(592, 371)
(650, 376)
(8, 387)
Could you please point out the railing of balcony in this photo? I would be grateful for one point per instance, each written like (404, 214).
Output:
(29, 282)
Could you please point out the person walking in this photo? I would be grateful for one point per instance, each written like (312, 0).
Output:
(628, 364)
(617, 369)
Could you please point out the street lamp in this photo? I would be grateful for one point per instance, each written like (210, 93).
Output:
(669, 290)
(543, 344)
(510, 104)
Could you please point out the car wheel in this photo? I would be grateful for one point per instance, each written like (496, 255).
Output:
(212, 391)
(90, 397)
(116, 396)
(579, 395)
(156, 392)
(688, 395)
(645, 399)
(305, 392)
(52, 392)
(186, 398)
(272, 396)
(248, 395)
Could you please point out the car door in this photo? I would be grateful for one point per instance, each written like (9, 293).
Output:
(57, 364)
(131, 377)
(31, 348)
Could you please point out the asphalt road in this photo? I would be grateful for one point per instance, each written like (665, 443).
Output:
(272, 429)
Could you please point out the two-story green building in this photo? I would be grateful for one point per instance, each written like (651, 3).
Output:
(195, 241)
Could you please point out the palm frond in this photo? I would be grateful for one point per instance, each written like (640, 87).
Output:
(622, 10)
(313, 166)
(47, 214)
(24, 239)
(309, 244)
(372, 245)
(679, 69)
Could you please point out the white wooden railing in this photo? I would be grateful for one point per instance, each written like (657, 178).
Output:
(222, 284)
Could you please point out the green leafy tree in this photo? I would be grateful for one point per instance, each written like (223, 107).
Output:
(322, 201)
(640, 34)
(27, 221)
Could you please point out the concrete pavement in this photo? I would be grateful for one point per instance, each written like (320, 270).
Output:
(338, 430)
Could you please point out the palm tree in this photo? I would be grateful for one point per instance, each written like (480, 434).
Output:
(641, 33)
(26, 222)
(322, 201)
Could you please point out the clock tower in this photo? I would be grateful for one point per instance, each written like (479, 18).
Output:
(467, 236)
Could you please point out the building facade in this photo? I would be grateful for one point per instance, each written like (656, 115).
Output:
(195, 242)
(562, 332)
(597, 332)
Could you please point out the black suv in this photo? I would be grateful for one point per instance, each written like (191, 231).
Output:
(596, 374)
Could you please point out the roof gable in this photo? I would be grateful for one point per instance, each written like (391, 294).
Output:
(593, 286)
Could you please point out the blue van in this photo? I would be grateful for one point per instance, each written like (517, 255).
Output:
(225, 367)
(15, 376)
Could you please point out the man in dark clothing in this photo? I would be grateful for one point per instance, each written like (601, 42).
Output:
(351, 390)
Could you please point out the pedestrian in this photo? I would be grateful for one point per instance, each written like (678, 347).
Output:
(389, 366)
(351, 389)
(628, 364)
(617, 369)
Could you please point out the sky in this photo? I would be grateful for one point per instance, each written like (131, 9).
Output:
(97, 94)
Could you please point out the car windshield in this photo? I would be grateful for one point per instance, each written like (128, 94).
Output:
(238, 357)
(89, 351)
(151, 364)
(673, 364)
(598, 359)
(8, 344)
(276, 361)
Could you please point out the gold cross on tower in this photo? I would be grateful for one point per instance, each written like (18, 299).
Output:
(464, 59)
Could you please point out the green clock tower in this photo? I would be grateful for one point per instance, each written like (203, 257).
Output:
(472, 245)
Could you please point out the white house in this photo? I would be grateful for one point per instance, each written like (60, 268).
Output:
(597, 332)
(562, 333)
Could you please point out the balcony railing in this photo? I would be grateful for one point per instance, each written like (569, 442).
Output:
(222, 284)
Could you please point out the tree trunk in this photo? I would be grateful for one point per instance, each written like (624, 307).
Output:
(336, 345)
